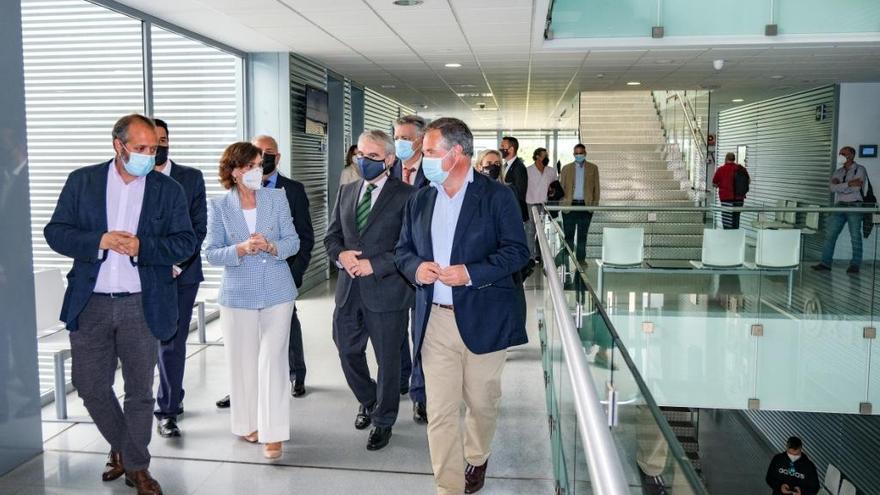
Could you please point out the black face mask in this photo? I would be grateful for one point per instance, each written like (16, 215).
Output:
(504, 152)
(492, 171)
(545, 161)
(161, 155)
(268, 163)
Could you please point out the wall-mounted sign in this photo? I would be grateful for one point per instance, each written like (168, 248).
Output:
(821, 112)
(867, 151)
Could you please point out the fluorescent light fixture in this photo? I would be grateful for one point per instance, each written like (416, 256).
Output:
(408, 3)
(737, 100)
(633, 83)
(776, 76)
(453, 65)
(388, 86)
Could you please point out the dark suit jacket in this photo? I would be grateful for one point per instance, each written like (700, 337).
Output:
(397, 173)
(518, 178)
(386, 289)
(193, 184)
(302, 222)
(491, 242)
(164, 230)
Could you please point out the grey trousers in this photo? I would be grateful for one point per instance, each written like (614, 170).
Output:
(112, 330)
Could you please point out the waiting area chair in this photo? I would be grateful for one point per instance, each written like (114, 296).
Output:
(778, 248)
(722, 248)
(832, 480)
(847, 488)
(623, 247)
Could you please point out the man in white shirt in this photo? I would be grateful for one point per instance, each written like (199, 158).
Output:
(540, 175)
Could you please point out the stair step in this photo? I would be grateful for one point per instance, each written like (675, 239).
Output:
(637, 181)
(644, 194)
(598, 156)
(656, 253)
(640, 217)
(659, 241)
(633, 166)
(607, 176)
(653, 228)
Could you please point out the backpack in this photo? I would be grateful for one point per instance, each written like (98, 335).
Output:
(741, 182)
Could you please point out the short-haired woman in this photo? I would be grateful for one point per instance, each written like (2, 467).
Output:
(350, 172)
(251, 234)
(488, 162)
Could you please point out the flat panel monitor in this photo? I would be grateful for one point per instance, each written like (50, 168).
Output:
(317, 115)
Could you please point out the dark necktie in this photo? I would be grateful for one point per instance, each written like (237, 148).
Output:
(363, 208)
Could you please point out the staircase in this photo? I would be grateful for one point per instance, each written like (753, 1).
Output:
(624, 137)
(685, 423)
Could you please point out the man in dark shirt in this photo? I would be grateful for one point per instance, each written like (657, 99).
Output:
(791, 472)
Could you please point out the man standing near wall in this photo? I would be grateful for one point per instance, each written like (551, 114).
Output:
(580, 182)
(847, 183)
(188, 274)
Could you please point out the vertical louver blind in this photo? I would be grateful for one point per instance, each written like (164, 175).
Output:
(380, 112)
(83, 69)
(197, 91)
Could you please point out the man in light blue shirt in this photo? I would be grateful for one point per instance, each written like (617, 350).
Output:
(443, 222)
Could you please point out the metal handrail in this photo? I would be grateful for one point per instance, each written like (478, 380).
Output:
(696, 133)
(606, 471)
(716, 209)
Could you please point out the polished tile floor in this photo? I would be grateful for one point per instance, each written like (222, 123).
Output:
(325, 455)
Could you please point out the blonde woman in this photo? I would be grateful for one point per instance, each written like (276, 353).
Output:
(489, 163)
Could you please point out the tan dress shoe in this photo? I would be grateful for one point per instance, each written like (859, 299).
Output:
(144, 483)
(114, 468)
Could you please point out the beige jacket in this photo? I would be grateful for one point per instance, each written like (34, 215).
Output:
(591, 183)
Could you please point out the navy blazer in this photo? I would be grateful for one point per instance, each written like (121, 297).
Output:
(302, 222)
(518, 178)
(193, 184)
(164, 230)
(397, 173)
(491, 242)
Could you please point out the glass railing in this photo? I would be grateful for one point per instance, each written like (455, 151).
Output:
(608, 434)
(736, 319)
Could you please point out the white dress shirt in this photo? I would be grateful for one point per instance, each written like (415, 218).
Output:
(443, 223)
(167, 169)
(539, 183)
(124, 202)
(375, 194)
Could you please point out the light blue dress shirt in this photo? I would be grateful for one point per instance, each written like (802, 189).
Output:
(578, 182)
(443, 223)
(272, 180)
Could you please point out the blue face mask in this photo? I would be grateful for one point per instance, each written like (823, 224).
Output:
(433, 168)
(580, 158)
(404, 149)
(370, 169)
(139, 164)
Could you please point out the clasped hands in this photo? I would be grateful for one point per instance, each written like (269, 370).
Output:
(124, 243)
(788, 490)
(851, 183)
(453, 276)
(354, 266)
(255, 244)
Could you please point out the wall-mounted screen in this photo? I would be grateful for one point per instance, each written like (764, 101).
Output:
(317, 115)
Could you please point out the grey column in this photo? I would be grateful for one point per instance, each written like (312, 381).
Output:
(20, 432)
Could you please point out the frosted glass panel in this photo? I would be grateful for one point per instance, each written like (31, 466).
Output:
(824, 16)
(603, 18)
(736, 17)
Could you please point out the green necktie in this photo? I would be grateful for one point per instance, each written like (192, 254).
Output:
(363, 208)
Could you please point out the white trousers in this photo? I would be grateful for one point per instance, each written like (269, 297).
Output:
(256, 343)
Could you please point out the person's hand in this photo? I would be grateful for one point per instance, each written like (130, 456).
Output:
(131, 245)
(246, 247)
(797, 490)
(785, 488)
(856, 183)
(835, 181)
(363, 269)
(260, 242)
(349, 261)
(454, 276)
(174, 272)
(428, 272)
(114, 241)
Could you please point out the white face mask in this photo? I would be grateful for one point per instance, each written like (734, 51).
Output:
(841, 159)
(252, 179)
(794, 458)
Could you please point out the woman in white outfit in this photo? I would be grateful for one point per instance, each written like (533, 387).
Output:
(251, 234)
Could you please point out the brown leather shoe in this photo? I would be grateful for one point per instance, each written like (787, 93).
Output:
(114, 468)
(474, 477)
(144, 483)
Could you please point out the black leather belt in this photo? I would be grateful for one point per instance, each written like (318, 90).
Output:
(115, 295)
(578, 202)
(445, 306)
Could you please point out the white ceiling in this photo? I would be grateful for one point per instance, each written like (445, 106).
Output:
(401, 52)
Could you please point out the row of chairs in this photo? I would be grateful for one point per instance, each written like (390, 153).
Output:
(721, 248)
(788, 220)
(836, 484)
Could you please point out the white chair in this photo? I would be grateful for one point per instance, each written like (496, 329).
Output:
(790, 217)
(49, 296)
(832, 480)
(723, 248)
(623, 247)
(847, 488)
(778, 248)
(811, 221)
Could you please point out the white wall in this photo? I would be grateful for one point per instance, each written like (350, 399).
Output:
(269, 101)
(859, 123)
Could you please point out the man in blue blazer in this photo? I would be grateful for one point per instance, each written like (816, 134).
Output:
(461, 242)
(188, 274)
(125, 226)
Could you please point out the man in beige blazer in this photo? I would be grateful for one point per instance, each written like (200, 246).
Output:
(580, 181)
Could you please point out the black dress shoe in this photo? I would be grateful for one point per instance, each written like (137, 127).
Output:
(475, 477)
(821, 267)
(297, 388)
(362, 420)
(404, 389)
(852, 269)
(420, 413)
(379, 437)
(167, 427)
(223, 403)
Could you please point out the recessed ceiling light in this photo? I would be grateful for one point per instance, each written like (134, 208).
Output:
(777, 76)
(633, 83)
(600, 75)
(388, 86)
(663, 61)
(453, 65)
(737, 100)
(408, 3)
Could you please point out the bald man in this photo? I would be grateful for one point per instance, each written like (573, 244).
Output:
(298, 263)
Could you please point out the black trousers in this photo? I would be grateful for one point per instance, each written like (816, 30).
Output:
(353, 325)
(172, 357)
(411, 367)
(295, 355)
(577, 223)
(730, 219)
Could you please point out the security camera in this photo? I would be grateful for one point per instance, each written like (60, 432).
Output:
(718, 64)
(482, 106)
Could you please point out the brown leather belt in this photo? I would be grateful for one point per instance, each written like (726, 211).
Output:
(445, 306)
